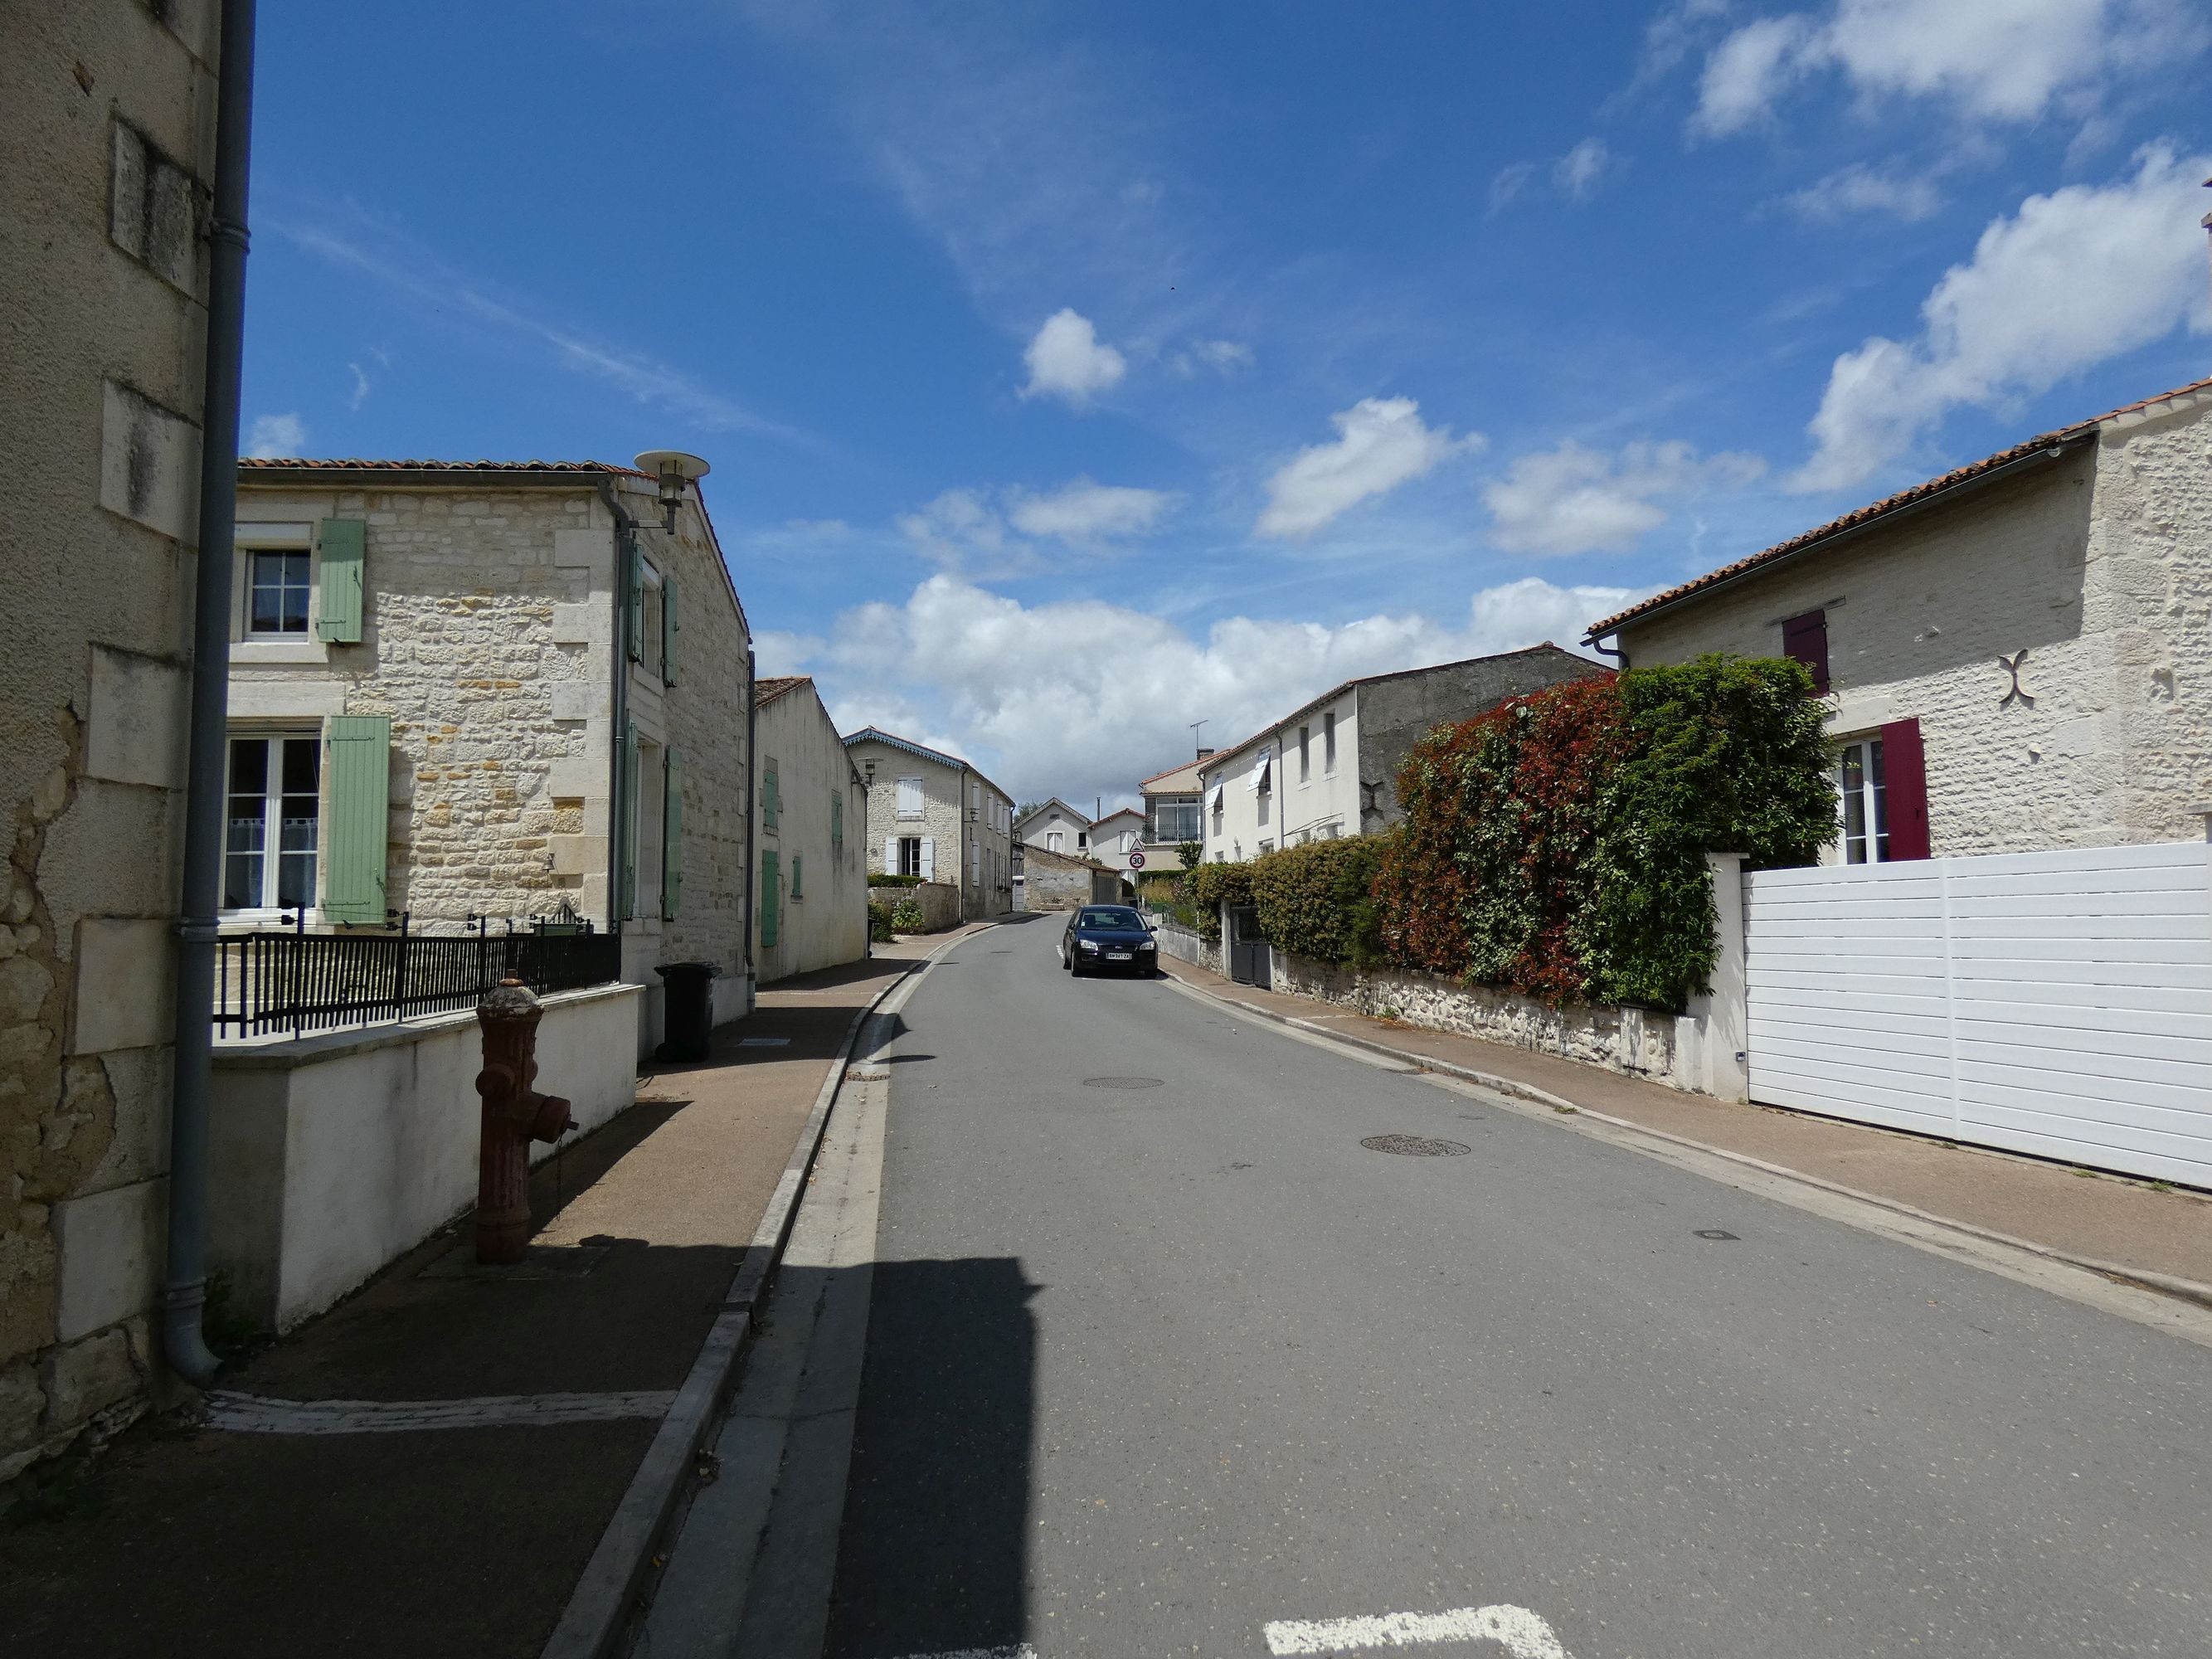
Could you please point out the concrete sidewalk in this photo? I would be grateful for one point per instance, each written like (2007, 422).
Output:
(366, 1538)
(2086, 1216)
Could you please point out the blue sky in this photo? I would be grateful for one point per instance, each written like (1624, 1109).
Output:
(1073, 373)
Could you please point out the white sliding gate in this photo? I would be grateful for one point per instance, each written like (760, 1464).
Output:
(2055, 1003)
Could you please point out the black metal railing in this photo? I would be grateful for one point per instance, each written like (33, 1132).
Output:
(300, 981)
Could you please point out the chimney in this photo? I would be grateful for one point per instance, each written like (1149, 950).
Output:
(1205, 753)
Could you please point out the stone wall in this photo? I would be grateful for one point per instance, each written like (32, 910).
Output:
(110, 148)
(1053, 881)
(1632, 1040)
(2098, 564)
(882, 766)
(939, 903)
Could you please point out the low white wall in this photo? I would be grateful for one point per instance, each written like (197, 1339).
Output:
(330, 1155)
(1184, 945)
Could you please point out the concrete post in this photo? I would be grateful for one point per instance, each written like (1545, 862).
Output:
(1721, 1013)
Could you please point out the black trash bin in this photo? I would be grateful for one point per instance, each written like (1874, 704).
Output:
(687, 1020)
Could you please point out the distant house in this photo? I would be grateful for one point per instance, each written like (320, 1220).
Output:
(933, 815)
(810, 825)
(1117, 835)
(466, 690)
(2015, 656)
(1174, 801)
(1054, 827)
(1330, 768)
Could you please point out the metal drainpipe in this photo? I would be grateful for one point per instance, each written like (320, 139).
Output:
(619, 737)
(183, 1297)
(752, 774)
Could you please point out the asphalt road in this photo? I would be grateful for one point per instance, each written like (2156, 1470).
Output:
(1149, 1369)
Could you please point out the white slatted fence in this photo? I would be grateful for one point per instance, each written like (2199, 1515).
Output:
(2055, 1003)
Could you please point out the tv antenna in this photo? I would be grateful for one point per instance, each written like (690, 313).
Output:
(1194, 725)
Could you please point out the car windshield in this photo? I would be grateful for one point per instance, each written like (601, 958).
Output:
(1124, 920)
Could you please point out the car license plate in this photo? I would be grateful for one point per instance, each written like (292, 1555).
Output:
(1117, 956)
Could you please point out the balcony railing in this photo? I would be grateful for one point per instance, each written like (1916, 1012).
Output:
(296, 982)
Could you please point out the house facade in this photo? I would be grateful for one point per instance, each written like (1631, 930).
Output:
(1056, 827)
(1118, 835)
(811, 826)
(1174, 800)
(933, 815)
(1330, 768)
(477, 693)
(110, 155)
(2014, 657)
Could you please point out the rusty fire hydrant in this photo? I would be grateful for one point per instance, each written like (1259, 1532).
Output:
(514, 1115)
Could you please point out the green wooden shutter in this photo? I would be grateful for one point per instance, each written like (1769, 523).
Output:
(344, 542)
(668, 630)
(771, 802)
(797, 875)
(626, 820)
(360, 803)
(771, 903)
(633, 600)
(671, 840)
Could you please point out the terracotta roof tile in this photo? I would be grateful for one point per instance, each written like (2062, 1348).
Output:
(770, 687)
(2063, 437)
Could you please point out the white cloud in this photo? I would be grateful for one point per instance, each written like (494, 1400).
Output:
(2012, 62)
(1067, 360)
(1087, 512)
(1574, 499)
(1576, 173)
(1381, 443)
(1861, 189)
(1227, 358)
(360, 394)
(962, 530)
(1019, 688)
(273, 437)
(775, 652)
(1510, 183)
(2076, 276)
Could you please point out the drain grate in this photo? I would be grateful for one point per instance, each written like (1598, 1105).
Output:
(1122, 1082)
(1412, 1146)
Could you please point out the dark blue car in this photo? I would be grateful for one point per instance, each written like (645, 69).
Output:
(1109, 938)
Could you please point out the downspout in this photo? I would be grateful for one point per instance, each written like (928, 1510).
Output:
(184, 1296)
(752, 776)
(619, 737)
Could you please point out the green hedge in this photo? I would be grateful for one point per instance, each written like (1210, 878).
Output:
(894, 881)
(1211, 886)
(1317, 900)
(879, 923)
(1557, 844)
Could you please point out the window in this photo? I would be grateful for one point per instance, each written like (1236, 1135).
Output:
(771, 795)
(910, 798)
(798, 876)
(1265, 798)
(1081, 840)
(1052, 840)
(1805, 639)
(1865, 800)
(1329, 743)
(273, 819)
(1128, 842)
(1172, 818)
(651, 619)
(909, 855)
(974, 867)
(1217, 812)
(1267, 846)
(1305, 753)
(276, 594)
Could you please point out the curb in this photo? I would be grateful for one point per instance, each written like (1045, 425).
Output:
(2183, 1290)
(600, 1606)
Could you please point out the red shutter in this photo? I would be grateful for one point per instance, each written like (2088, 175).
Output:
(1805, 639)
(1904, 789)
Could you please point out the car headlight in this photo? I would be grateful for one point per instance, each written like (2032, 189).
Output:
(1086, 944)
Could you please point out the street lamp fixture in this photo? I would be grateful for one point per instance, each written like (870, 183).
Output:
(673, 469)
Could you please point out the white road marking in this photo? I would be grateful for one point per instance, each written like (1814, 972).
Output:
(1520, 1632)
(1022, 1652)
(246, 1413)
(763, 1043)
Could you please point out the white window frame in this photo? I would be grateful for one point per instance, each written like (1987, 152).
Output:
(920, 797)
(247, 646)
(649, 827)
(1870, 797)
(272, 796)
(1052, 840)
(652, 620)
(1329, 744)
(905, 842)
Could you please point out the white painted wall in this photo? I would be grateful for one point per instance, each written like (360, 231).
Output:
(331, 1154)
(1302, 804)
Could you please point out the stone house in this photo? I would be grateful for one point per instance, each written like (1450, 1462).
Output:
(810, 825)
(1056, 826)
(490, 690)
(926, 807)
(110, 153)
(2015, 656)
(1330, 768)
(1063, 881)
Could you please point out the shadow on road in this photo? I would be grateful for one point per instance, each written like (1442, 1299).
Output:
(933, 1553)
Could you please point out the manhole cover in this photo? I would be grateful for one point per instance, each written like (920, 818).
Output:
(1412, 1146)
(1715, 1232)
(1122, 1082)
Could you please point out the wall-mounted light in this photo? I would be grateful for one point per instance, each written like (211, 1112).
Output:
(673, 469)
